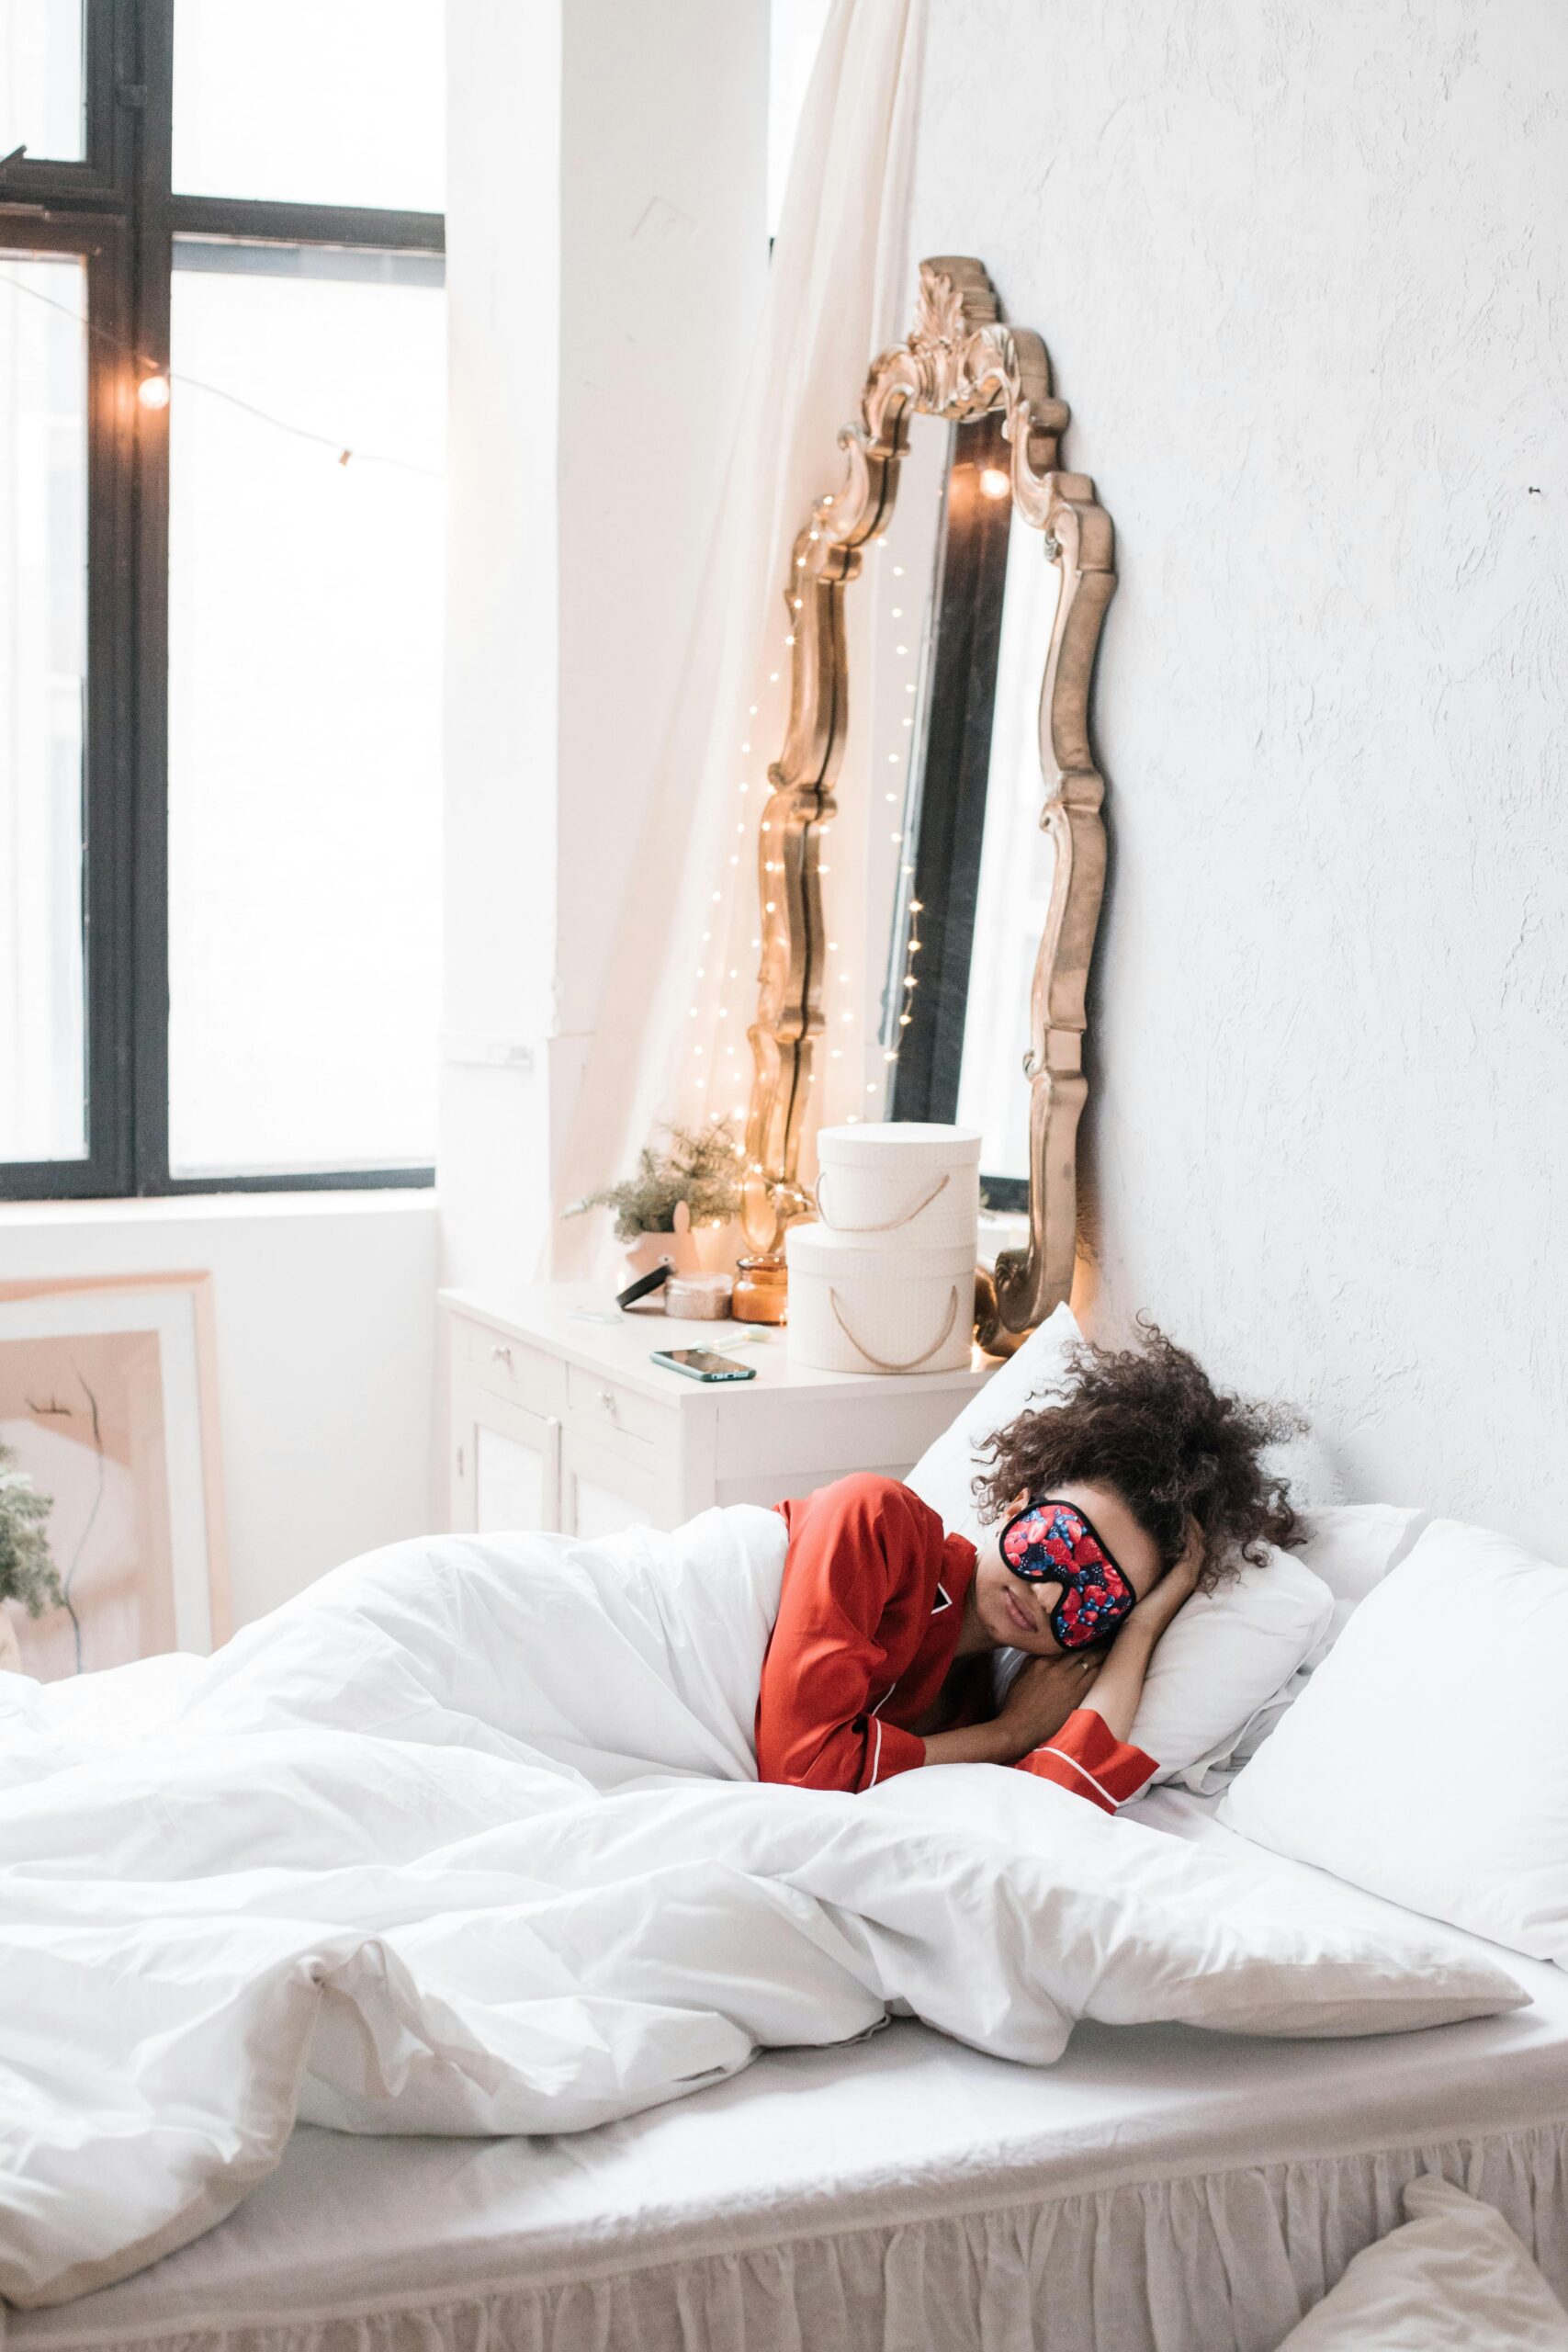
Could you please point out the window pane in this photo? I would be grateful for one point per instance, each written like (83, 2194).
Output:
(1017, 863)
(43, 639)
(312, 101)
(41, 79)
(304, 714)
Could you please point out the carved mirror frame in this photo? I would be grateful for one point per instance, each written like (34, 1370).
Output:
(959, 362)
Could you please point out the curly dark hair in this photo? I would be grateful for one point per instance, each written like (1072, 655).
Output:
(1150, 1423)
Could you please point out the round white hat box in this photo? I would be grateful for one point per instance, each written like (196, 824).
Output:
(862, 1306)
(900, 1181)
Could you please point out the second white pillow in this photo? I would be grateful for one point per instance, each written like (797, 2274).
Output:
(1428, 1759)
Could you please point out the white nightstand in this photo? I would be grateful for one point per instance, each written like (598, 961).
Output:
(560, 1422)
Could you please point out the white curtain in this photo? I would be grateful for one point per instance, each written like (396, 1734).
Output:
(671, 1039)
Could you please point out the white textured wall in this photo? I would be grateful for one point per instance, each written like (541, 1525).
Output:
(325, 1310)
(1302, 271)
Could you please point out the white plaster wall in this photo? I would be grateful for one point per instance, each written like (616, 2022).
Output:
(607, 255)
(1302, 271)
(325, 1312)
(503, 198)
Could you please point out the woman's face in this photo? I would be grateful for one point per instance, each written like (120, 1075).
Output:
(1016, 1612)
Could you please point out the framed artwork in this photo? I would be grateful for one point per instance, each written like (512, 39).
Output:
(109, 1401)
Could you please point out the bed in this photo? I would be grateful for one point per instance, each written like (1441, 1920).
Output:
(1158, 2190)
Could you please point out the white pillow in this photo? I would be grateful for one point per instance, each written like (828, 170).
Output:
(1427, 1757)
(944, 1475)
(1228, 1655)
(1352, 1546)
(1454, 2275)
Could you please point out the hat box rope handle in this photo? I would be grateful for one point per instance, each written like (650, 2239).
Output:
(890, 1225)
(910, 1364)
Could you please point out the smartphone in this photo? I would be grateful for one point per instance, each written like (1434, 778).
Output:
(702, 1363)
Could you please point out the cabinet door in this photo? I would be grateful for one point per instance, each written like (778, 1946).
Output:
(505, 1465)
(603, 1490)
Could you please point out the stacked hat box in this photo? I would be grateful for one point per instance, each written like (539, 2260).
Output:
(886, 1281)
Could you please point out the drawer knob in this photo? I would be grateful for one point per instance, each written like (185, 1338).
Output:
(607, 1399)
(499, 1354)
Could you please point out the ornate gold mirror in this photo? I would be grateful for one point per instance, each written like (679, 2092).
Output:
(1000, 650)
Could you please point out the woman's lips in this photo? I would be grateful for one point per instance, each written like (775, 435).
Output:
(1017, 1612)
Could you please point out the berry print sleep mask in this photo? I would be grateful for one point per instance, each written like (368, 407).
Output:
(1053, 1543)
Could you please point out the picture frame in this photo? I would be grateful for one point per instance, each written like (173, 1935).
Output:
(108, 1398)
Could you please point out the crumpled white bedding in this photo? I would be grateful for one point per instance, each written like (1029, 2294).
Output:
(446, 1847)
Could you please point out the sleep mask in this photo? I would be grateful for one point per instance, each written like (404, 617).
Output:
(1053, 1543)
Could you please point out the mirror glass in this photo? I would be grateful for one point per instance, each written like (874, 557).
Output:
(976, 866)
(1017, 861)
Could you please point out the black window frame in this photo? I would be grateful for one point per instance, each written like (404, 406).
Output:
(118, 209)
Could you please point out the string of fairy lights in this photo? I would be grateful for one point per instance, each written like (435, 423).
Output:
(154, 389)
(841, 1012)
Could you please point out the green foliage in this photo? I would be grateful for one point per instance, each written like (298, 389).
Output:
(700, 1166)
(27, 1572)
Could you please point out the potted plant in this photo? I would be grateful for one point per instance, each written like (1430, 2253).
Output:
(681, 1203)
(28, 1573)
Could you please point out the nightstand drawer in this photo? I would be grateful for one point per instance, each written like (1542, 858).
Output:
(509, 1367)
(607, 1410)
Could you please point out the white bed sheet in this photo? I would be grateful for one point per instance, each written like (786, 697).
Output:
(1158, 2190)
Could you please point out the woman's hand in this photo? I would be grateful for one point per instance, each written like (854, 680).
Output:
(1045, 1692)
(1121, 1684)
(1154, 1611)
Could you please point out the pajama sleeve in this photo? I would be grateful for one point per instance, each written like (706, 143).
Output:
(1085, 1756)
(851, 1546)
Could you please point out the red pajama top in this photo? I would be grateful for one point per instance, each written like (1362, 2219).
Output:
(869, 1619)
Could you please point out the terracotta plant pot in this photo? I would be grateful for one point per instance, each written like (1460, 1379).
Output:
(691, 1249)
(650, 1249)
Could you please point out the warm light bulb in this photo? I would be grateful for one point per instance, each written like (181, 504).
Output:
(153, 391)
(994, 483)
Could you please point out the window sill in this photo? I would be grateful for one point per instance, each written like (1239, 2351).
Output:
(217, 1208)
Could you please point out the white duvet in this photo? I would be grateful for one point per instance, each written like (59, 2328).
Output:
(468, 1838)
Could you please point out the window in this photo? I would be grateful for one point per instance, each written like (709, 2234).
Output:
(222, 418)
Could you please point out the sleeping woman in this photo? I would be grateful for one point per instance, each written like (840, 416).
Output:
(1108, 1509)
